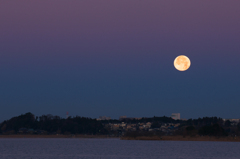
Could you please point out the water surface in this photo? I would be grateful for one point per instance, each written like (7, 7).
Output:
(115, 149)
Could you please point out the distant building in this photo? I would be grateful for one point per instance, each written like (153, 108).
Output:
(232, 120)
(122, 117)
(115, 126)
(128, 118)
(104, 118)
(183, 119)
(175, 116)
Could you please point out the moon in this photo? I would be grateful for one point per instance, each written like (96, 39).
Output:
(182, 63)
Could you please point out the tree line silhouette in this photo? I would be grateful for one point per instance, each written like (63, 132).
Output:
(49, 124)
(46, 124)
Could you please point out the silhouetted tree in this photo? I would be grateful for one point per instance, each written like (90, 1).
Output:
(212, 130)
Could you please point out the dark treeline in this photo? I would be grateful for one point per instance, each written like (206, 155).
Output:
(211, 126)
(207, 126)
(46, 124)
(163, 119)
(49, 124)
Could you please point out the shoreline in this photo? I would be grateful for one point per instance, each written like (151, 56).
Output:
(54, 136)
(152, 138)
(186, 138)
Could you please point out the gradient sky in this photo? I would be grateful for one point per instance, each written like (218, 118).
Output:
(94, 58)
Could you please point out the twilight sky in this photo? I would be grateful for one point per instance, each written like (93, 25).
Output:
(94, 58)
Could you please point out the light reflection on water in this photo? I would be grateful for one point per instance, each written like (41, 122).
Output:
(115, 149)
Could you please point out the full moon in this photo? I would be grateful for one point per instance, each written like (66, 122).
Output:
(182, 63)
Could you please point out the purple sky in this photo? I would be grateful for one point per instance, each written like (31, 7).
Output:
(115, 58)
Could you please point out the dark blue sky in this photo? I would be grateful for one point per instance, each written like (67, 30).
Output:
(116, 58)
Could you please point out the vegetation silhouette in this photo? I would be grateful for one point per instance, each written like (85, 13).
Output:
(48, 124)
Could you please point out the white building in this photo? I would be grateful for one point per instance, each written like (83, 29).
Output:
(175, 116)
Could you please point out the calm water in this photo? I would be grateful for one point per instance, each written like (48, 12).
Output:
(115, 149)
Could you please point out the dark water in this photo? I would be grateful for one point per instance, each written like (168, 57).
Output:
(115, 149)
